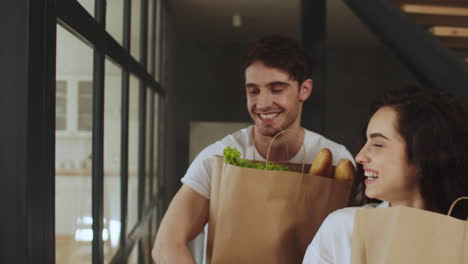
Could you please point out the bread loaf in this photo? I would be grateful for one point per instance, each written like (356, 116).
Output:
(344, 170)
(322, 164)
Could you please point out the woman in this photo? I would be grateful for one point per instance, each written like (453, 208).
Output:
(415, 155)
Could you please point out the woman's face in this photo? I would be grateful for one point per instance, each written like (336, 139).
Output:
(389, 175)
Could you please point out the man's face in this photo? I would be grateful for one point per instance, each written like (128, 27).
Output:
(274, 101)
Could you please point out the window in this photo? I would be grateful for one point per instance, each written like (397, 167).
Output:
(108, 89)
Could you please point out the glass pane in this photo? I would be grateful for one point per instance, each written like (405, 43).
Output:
(133, 258)
(114, 19)
(135, 30)
(157, 52)
(146, 248)
(148, 161)
(88, 5)
(150, 51)
(73, 218)
(153, 227)
(156, 143)
(133, 154)
(112, 150)
(61, 106)
(85, 105)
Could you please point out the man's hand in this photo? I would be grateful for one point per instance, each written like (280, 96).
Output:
(184, 220)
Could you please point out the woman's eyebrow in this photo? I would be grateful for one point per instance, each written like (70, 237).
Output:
(374, 135)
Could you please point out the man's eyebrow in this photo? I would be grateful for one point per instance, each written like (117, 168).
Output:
(278, 83)
(275, 83)
(374, 135)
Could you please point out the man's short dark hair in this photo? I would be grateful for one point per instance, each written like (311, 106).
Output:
(282, 53)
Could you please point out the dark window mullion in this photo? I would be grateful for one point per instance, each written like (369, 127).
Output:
(152, 175)
(152, 71)
(162, 120)
(151, 165)
(142, 119)
(72, 16)
(125, 127)
(98, 142)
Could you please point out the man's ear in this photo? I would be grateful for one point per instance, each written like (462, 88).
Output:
(305, 90)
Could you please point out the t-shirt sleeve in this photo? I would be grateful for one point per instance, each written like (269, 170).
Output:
(332, 243)
(343, 153)
(198, 175)
(320, 249)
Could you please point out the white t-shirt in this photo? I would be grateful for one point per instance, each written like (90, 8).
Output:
(198, 175)
(332, 243)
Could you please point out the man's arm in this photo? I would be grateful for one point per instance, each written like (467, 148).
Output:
(185, 218)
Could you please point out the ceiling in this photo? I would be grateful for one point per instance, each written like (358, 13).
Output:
(212, 21)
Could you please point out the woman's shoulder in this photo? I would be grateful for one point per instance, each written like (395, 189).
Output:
(346, 215)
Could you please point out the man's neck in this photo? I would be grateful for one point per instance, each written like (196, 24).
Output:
(284, 146)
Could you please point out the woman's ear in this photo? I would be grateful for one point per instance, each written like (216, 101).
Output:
(305, 90)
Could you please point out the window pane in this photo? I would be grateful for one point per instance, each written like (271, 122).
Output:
(88, 5)
(133, 258)
(85, 105)
(153, 227)
(146, 248)
(112, 150)
(148, 147)
(156, 143)
(150, 51)
(157, 51)
(61, 105)
(133, 154)
(73, 217)
(135, 30)
(114, 19)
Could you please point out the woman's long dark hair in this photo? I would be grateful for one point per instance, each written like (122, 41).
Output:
(434, 126)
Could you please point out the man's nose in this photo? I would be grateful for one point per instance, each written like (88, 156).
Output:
(264, 100)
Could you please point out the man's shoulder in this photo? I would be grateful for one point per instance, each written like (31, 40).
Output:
(239, 136)
(236, 140)
(320, 141)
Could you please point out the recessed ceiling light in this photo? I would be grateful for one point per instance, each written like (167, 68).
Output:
(236, 20)
(435, 10)
(442, 31)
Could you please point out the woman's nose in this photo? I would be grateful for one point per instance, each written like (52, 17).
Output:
(362, 157)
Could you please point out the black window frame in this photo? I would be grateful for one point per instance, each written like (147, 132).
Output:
(28, 148)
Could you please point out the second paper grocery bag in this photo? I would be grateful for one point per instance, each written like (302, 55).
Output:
(406, 235)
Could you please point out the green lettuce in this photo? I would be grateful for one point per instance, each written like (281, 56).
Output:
(233, 156)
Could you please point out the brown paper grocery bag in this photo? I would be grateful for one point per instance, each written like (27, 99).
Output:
(263, 216)
(408, 235)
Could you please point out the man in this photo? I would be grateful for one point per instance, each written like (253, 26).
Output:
(277, 83)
